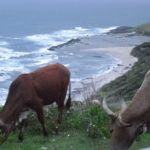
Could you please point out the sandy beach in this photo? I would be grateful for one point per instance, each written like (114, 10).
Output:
(90, 86)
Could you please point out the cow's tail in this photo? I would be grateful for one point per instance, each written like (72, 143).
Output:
(68, 103)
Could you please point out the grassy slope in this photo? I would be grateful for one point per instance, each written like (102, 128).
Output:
(73, 133)
(77, 140)
(81, 130)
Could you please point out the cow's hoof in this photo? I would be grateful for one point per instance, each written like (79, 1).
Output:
(20, 138)
(20, 141)
(46, 134)
(56, 130)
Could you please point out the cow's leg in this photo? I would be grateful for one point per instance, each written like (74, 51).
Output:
(40, 114)
(21, 128)
(60, 104)
(60, 113)
(60, 116)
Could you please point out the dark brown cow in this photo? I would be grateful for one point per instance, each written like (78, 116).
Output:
(33, 90)
(127, 124)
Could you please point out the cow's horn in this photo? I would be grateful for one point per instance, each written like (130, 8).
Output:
(96, 102)
(123, 104)
(106, 108)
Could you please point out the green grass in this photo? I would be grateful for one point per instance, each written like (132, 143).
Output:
(69, 140)
(66, 140)
(83, 129)
(73, 133)
(143, 142)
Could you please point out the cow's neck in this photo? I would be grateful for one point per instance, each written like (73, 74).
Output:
(138, 110)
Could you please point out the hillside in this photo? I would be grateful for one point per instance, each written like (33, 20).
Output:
(143, 29)
(128, 84)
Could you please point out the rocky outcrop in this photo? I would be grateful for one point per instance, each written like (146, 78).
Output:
(70, 42)
(122, 29)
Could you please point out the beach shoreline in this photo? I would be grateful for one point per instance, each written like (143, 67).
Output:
(92, 85)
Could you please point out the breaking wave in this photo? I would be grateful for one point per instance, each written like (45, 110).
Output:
(62, 36)
(6, 53)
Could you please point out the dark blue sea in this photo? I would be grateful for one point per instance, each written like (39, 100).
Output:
(29, 27)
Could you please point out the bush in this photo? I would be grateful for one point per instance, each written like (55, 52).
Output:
(91, 120)
(98, 123)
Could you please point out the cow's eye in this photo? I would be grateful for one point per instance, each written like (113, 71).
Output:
(139, 130)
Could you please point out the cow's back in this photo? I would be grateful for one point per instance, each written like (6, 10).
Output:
(48, 83)
(51, 82)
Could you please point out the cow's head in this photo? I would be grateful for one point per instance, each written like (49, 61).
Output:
(123, 133)
(4, 131)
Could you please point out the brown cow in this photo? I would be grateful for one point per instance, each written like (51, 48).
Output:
(127, 124)
(33, 90)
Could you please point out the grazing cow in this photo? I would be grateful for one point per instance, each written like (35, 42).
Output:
(32, 91)
(128, 123)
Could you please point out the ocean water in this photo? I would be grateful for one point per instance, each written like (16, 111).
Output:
(29, 27)
(23, 54)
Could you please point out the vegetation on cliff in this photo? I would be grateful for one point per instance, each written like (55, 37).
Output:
(143, 29)
(128, 84)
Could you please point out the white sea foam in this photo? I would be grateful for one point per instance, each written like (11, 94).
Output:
(43, 56)
(62, 36)
(105, 30)
(45, 51)
(3, 95)
(3, 43)
(67, 65)
(10, 66)
(8, 63)
(76, 80)
(110, 67)
(4, 77)
(6, 53)
(41, 60)
(71, 54)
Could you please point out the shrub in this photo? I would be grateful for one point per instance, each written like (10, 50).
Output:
(91, 120)
(98, 123)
